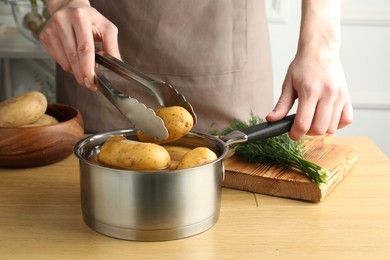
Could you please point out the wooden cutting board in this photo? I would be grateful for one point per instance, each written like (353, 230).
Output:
(288, 183)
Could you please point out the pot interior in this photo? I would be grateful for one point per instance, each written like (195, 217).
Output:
(88, 148)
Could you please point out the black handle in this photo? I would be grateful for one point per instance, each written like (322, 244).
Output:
(268, 129)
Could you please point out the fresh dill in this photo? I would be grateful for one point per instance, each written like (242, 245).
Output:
(280, 151)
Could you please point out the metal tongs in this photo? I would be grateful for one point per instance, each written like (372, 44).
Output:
(143, 118)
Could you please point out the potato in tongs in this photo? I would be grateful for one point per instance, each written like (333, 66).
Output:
(143, 118)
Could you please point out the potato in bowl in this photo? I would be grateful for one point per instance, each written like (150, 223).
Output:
(29, 145)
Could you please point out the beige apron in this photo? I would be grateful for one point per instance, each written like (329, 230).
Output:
(215, 52)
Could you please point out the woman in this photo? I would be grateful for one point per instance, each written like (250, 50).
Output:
(216, 53)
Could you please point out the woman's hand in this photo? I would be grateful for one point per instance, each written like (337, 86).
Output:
(316, 77)
(70, 34)
(324, 104)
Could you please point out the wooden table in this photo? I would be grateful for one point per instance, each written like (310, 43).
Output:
(40, 218)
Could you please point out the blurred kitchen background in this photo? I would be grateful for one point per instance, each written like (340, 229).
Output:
(365, 54)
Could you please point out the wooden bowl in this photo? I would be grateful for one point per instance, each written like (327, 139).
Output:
(22, 147)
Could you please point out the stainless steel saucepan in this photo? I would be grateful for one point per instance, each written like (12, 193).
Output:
(159, 205)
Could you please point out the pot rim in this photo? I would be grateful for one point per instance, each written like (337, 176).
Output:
(93, 142)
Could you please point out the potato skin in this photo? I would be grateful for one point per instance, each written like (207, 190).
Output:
(196, 157)
(133, 155)
(176, 153)
(45, 119)
(23, 109)
(177, 120)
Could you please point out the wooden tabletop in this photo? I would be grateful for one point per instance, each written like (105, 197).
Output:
(40, 218)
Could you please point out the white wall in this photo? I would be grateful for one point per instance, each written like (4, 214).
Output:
(365, 53)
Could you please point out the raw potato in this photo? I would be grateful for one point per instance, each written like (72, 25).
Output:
(197, 157)
(45, 119)
(23, 109)
(133, 155)
(176, 153)
(177, 120)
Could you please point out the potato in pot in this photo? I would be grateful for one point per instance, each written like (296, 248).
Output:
(196, 157)
(176, 153)
(132, 155)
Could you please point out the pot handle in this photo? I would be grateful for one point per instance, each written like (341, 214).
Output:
(261, 131)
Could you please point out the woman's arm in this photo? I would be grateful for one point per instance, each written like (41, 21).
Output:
(316, 77)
